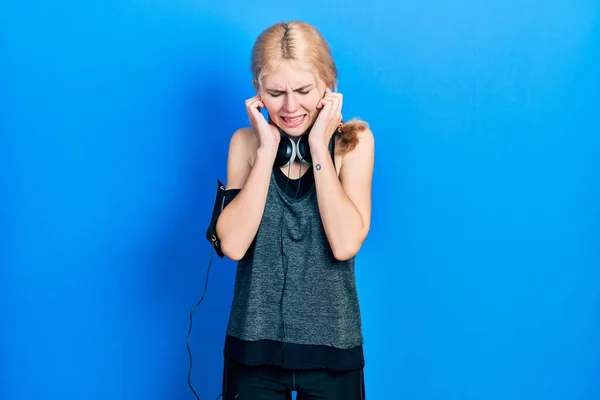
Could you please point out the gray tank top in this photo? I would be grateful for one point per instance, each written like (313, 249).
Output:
(303, 291)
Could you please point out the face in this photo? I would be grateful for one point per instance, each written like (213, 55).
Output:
(290, 94)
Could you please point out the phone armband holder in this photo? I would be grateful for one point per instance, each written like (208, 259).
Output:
(211, 232)
(222, 198)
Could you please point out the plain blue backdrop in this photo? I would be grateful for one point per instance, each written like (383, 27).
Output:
(479, 280)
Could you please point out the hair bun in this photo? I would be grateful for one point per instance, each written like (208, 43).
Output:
(348, 133)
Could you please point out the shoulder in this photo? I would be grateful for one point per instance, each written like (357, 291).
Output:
(352, 133)
(244, 137)
(365, 137)
(242, 152)
(362, 149)
(243, 143)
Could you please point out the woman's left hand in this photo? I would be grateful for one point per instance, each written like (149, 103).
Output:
(330, 117)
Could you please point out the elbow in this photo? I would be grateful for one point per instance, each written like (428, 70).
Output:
(349, 249)
(344, 253)
(344, 256)
(228, 248)
(234, 253)
(234, 256)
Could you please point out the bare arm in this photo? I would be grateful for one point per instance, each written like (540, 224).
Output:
(345, 203)
(239, 221)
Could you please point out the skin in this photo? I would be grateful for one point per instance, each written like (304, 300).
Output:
(344, 197)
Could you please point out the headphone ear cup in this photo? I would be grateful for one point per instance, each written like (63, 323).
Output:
(303, 150)
(286, 152)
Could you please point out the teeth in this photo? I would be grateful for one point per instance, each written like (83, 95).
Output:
(293, 120)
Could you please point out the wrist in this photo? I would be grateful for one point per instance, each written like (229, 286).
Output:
(319, 153)
(318, 145)
(267, 153)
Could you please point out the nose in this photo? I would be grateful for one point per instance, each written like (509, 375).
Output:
(291, 103)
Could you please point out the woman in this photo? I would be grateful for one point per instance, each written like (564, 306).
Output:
(297, 212)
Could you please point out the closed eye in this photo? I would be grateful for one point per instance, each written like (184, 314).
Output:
(302, 90)
(277, 94)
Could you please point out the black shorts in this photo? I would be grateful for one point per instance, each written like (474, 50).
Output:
(241, 382)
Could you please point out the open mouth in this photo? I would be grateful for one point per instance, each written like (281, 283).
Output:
(292, 122)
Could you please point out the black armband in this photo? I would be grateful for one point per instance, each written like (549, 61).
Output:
(222, 198)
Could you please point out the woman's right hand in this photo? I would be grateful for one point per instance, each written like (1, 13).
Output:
(268, 134)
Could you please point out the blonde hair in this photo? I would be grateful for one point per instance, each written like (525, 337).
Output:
(301, 41)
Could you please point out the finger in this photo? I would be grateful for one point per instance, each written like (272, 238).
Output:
(335, 101)
(255, 101)
(325, 93)
(320, 103)
(251, 118)
(338, 106)
(327, 105)
(255, 106)
(334, 98)
(250, 106)
(337, 98)
(253, 110)
(332, 95)
(251, 100)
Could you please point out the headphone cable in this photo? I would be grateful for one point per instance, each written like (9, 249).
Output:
(187, 339)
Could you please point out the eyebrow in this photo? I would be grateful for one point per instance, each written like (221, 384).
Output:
(295, 90)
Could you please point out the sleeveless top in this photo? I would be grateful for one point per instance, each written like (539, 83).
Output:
(294, 306)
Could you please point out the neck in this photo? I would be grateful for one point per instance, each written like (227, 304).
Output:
(283, 133)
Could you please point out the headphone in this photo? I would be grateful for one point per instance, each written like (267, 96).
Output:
(290, 150)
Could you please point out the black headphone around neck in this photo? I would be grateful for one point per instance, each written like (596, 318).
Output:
(290, 150)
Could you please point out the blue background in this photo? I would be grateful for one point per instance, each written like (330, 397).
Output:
(479, 279)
